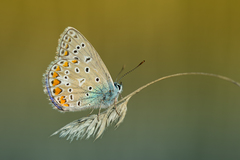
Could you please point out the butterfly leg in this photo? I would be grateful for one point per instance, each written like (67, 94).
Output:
(121, 95)
(115, 107)
(98, 113)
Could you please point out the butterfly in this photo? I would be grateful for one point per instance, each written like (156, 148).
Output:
(78, 79)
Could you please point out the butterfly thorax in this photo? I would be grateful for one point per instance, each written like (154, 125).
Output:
(112, 95)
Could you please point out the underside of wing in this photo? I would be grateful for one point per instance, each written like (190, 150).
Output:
(78, 79)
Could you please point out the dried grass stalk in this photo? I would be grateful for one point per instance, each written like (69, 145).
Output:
(95, 125)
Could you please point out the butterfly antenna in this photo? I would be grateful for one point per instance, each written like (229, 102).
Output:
(131, 70)
(120, 71)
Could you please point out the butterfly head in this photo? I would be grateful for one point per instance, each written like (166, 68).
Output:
(118, 87)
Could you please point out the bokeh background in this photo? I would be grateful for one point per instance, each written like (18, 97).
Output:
(182, 118)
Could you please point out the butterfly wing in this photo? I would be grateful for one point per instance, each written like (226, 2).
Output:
(78, 79)
(72, 43)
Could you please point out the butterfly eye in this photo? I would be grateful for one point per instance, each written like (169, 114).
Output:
(119, 87)
(83, 45)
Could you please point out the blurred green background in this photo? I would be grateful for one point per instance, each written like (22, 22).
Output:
(183, 118)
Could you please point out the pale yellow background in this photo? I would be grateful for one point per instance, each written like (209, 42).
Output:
(183, 118)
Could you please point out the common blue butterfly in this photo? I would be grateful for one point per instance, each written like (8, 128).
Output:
(78, 79)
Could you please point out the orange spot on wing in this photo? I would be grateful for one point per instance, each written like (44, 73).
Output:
(63, 101)
(65, 64)
(61, 98)
(55, 75)
(57, 91)
(55, 82)
(66, 46)
(74, 61)
(65, 53)
(58, 68)
(66, 105)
